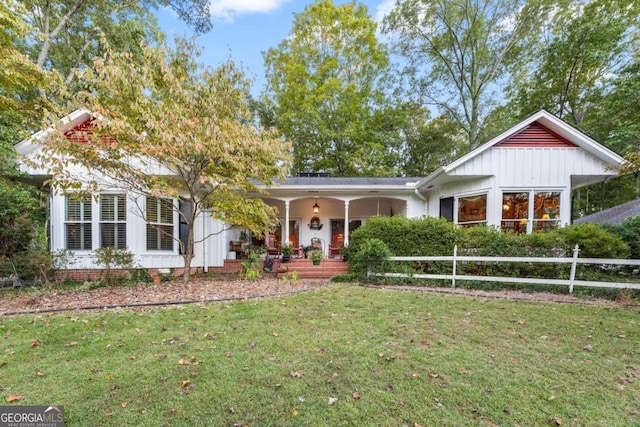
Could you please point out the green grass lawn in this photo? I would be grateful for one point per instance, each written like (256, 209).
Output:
(340, 355)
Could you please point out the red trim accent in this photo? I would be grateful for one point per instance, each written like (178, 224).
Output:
(537, 136)
(83, 134)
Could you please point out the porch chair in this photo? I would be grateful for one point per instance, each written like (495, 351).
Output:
(272, 246)
(335, 248)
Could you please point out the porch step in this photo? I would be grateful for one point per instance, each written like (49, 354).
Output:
(328, 268)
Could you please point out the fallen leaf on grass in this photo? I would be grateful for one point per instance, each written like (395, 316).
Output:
(296, 374)
(588, 348)
(124, 404)
(35, 343)
(332, 400)
(14, 397)
(40, 373)
(185, 383)
(356, 395)
(172, 411)
(556, 421)
(71, 344)
(295, 412)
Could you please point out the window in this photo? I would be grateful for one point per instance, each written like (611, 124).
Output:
(78, 223)
(472, 210)
(446, 208)
(160, 228)
(113, 221)
(546, 211)
(515, 211)
(518, 211)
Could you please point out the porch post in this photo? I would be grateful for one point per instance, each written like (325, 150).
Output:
(285, 226)
(346, 223)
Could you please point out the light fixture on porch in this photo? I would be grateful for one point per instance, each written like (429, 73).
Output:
(316, 208)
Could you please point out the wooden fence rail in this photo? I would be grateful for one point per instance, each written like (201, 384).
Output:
(571, 281)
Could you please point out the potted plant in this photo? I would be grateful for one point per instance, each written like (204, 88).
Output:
(306, 250)
(316, 256)
(286, 251)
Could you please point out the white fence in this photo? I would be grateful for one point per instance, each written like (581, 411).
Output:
(571, 281)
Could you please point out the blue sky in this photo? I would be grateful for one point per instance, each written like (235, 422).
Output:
(243, 29)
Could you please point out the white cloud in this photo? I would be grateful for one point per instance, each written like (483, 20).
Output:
(383, 9)
(226, 10)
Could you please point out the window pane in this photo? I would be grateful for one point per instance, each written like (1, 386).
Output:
(152, 209)
(78, 209)
(472, 209)
(107, 207)
(107, 235)
(546, 210)
(152, 238)
(79, 236)
(159, 237)
(74, 241)
(166, 238)
(166, 211)
(515, 209)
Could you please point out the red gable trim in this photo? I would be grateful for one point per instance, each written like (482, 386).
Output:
(535, 135)
(83, 133)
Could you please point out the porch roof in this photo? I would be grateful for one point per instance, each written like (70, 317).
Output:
(296, 187)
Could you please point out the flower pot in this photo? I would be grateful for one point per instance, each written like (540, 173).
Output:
(316, 262)
(286, 258)
(156, 279)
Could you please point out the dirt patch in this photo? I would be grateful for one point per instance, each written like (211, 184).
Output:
(31, 300)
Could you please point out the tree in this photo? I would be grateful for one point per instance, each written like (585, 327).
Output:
(18, 81)
(583, 49)
(169, 127)
(72, 21)
(428, 143)
(457, 51)
(326, 93)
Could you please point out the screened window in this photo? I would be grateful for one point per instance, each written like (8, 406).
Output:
(472, 210)
(160, 228)
(113, 221)
(78, 223)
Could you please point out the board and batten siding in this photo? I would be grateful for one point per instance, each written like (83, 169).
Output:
(532, 166)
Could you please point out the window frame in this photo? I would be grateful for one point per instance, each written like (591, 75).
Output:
(157, 226)
(119, 224)
(471, 223)
(84, 222)
(530, 217)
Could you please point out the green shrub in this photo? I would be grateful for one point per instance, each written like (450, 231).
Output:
(594, 241)
(371, 257)
(407, 237)
(629, 231)
(111, 258)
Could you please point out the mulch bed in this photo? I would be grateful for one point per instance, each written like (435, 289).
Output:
(207, 289)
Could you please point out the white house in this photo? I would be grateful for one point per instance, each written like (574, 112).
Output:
(520, 181)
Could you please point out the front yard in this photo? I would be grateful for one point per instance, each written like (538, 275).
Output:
(338, 355)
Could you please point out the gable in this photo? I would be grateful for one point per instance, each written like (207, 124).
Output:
(82, 133)
(535, 135)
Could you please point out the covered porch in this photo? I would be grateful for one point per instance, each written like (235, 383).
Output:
(325, 223)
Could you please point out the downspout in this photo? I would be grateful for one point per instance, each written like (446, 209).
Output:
(424, 200)
(205, 265)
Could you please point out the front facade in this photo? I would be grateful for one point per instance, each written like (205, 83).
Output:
(520, 181)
